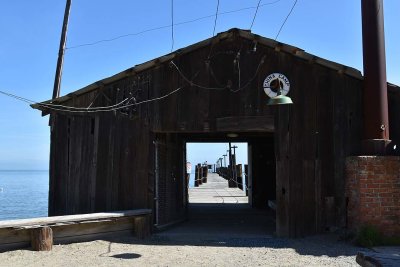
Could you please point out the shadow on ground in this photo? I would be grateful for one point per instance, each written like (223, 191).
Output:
(238, 225)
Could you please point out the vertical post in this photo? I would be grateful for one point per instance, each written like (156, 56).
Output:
(230, 164)
(235, 173)
(156, 182)
(142, 227)
(42, 238)
(376, 118)
(60, 60)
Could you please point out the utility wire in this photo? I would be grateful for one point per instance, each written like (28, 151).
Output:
(49, 105)
(255, 14)
(90, 110)
(126, 102)
(165, 26)
(216, 18)
(172, 25)
(288, 15)
(220, 88)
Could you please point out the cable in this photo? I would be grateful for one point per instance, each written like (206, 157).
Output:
(216, 18)
(85, 109)
(165, 26)
(220, 88)
(191, 82)
(125, 106)
(18, 97)
(90, 110)
(120, 105)
(255, 14)
(288, 15)
(172, 25)
(29, 101)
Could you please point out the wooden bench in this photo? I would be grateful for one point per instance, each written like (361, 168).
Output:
(42, 232)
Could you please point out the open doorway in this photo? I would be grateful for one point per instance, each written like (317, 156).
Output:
(217, 172)
(225, 204)
(229, 188)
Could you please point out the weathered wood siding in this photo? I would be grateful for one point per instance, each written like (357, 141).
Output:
(105, 161)
(394, 117)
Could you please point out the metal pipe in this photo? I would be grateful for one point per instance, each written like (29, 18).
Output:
(376, 119)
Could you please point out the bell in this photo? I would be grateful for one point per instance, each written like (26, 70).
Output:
(279, 100)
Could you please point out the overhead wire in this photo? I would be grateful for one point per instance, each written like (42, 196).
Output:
(125, 103)
(191, 82)
(283, 24)
(32, 102)
(172, 25)
(70, 109)
(216, 18)
(219, 88)
(165, 26)
(255, 14)
(120, 104)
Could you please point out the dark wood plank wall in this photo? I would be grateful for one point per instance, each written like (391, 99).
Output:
(394, 117)
(100, 162)
(263, 171)
(105, 161)
(171, 206)
(314, 136)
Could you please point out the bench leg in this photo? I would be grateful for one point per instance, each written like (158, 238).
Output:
(142, 227)
(42, 238)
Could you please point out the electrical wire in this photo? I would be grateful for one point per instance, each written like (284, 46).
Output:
(85, 109)
(172, 25)
(165, 26)
(31, 102)
(283, 24)
(255, 14)
(219, 88)
(216, 18)
(18, 97)
(70, 109)
(192, 83)
(121, 105)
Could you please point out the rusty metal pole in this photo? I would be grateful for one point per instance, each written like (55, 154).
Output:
(376, 118)
(60, 60)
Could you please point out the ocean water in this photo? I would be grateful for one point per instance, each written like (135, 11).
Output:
(23, 194)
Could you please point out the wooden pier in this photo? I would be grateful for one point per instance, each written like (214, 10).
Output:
(216, 190)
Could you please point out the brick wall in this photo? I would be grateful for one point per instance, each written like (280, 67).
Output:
(373, 192)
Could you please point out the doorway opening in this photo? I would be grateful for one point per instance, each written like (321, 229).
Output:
(229, 191)
(218, 173)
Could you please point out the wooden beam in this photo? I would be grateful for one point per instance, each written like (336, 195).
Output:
(72, 228)
(71, 218)
(246, 124)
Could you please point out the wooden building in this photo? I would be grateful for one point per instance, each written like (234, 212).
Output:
(134, 155)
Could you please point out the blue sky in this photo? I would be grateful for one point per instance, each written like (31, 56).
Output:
(30, 32)
(211, 152)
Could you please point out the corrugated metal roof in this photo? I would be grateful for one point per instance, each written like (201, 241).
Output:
(278, 46)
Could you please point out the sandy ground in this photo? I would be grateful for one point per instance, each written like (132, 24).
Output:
(222, 230)
(162, 250)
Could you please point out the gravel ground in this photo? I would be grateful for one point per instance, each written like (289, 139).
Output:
(207, 251)
(220, 231)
